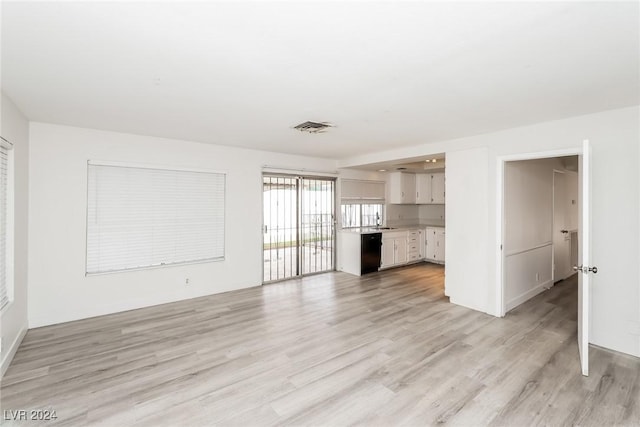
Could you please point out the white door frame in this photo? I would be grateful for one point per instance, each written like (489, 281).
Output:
(500, 226)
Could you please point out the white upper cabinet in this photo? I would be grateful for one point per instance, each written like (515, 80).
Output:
(402, 188)
(422, 188)
(437, 188)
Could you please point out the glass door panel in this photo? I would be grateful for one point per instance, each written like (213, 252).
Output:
(280, 227)
(317, 225)
(298, 226)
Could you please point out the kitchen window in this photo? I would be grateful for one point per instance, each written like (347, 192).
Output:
(362, 214)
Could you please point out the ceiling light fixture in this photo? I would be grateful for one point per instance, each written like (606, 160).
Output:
(382, 170)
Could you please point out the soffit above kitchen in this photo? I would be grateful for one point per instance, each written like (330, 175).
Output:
(384, 74)
(421, 164)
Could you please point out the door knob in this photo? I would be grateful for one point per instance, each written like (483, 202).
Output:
(585, 270)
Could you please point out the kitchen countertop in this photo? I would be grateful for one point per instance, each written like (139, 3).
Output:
(369, 230)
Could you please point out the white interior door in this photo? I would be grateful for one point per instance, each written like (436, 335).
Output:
(561, 236)
(584, 255)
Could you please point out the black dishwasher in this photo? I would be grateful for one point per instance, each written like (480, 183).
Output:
(370, 249)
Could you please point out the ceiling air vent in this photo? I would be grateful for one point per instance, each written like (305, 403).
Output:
(313, 127)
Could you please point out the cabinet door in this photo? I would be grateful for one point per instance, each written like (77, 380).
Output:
(402, 188)
(430, 251)
(437, 188)
(395, 188)
(388, 252)
(440, 238)
(401, 251)
(408, 188)
(423, 188)
(423, 243)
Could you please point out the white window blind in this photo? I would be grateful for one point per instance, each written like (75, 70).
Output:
(353, 190)
(4, 226)
(141, 217)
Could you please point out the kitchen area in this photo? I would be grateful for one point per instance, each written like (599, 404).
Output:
(395, 220)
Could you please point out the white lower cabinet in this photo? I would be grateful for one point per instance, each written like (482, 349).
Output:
(413, 245)
(394, 249)
(402, 247)
(434, 244)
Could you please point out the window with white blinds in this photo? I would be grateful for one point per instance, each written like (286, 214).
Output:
(141, 217)
(4, 224)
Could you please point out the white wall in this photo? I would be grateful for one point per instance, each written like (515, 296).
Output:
(431, 212)
(398, 215)
(13, 320)
(467, 222)
(615, 139)
(58, 288)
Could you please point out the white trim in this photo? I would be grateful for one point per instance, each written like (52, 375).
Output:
(542, 155)
(9, 355)
(152, 267)
(533, 248)
(514, 302)
(291, 171)
(501, 306)
(153, 166)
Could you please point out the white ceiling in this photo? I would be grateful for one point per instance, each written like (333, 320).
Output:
(385, 74)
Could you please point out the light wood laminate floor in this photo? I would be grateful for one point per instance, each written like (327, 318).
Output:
(332, 349)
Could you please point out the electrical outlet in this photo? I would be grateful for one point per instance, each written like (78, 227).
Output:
(537, 277)
(186, 281)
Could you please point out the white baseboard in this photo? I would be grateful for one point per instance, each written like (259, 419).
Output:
(8, 357)
(514, 302)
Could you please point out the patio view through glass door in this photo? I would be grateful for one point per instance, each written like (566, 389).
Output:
(299, 230)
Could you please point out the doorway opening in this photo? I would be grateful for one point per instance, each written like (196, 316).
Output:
(544, 232)
(298, 226)
(540, 218)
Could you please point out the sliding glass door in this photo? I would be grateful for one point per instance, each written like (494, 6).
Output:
(299, 229)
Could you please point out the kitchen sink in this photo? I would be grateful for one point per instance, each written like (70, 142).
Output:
(385, 228)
